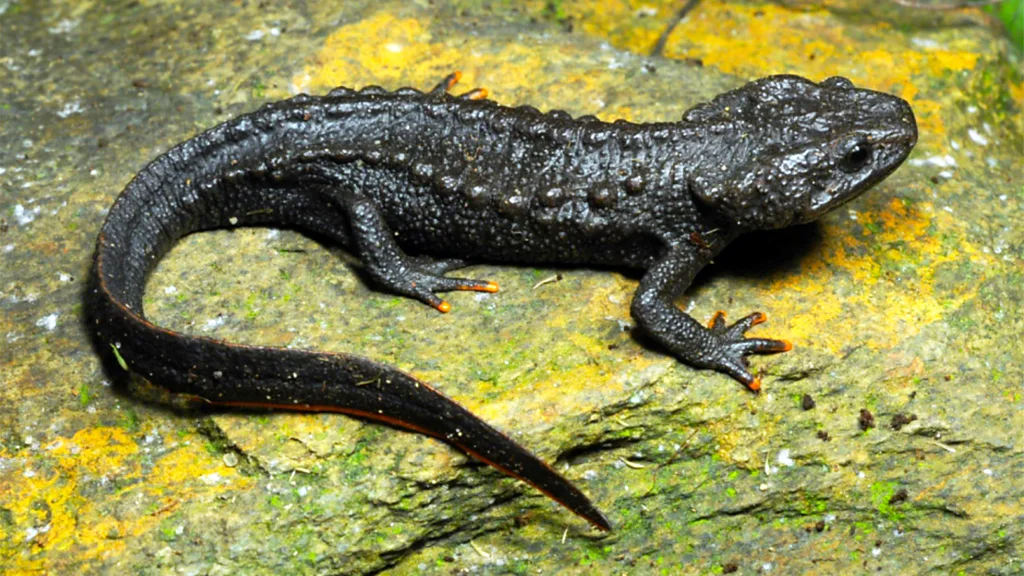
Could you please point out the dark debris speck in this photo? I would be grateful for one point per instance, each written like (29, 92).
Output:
(900, 496)
(901, 420)
(866, 419)
(807, 402)
(818, 526)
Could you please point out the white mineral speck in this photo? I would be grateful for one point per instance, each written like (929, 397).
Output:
(940, 161)
(23, 216)
(70, 108)
(64, 26)
(49, 321)
(214, 323)
(210, 479)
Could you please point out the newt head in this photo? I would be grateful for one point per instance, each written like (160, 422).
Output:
(784, 150)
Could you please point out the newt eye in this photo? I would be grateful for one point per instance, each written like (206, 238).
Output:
(856, 156)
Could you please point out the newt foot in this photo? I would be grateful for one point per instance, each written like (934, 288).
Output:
(733, 347)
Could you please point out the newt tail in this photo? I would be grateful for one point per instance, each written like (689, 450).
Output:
(263, 169)
(261, 377)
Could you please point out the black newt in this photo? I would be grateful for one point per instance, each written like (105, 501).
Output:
(417, 184)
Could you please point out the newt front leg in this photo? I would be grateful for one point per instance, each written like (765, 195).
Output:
(717, 346)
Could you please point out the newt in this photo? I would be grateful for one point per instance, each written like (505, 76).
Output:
(418, 184)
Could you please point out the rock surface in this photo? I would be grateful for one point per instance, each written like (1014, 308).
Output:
(888, 441)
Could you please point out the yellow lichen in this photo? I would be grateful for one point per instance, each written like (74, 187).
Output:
(752, 40)
(50, 512)
(904, 243)
(393, 51)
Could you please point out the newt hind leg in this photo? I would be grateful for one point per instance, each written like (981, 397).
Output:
(446, 84)
(396, 272)
(438, 266)
(450, 81)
